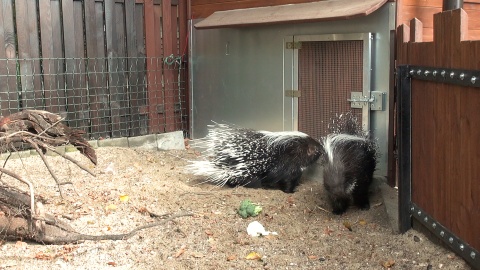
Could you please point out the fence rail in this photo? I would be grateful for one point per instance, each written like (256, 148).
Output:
(111, 67)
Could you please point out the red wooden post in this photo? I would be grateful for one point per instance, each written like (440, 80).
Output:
(154, 70)
(169, 36)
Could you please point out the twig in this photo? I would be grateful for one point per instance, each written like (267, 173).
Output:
(50, 126)
(45, 161)
(82, 237)
(67, 157)
(323, 209)
(30, 185)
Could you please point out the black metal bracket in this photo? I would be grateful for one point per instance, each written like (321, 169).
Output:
(445, 75)
(467, 252)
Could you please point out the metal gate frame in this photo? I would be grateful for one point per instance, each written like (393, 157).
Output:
(407, 208)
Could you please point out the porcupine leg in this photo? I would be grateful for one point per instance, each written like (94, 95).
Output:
(339, 204)
(360, 196)
(289, 184)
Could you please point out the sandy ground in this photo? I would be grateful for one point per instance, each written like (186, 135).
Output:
(130, 183)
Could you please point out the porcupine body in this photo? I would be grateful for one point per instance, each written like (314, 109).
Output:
(349, 164)
(246, 157)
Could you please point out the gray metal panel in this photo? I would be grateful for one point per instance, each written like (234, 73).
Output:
(246, 87)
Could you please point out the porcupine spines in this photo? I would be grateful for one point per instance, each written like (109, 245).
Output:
(349, 164)
(246, 157)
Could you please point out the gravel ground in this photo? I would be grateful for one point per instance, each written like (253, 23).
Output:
(132, 183)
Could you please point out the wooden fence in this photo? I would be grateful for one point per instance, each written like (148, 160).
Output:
(112, 67)
(439, 130)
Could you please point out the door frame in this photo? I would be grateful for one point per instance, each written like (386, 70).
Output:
(291, 73)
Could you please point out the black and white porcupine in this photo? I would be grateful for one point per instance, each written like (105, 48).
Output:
(349, 163)
(246, 157)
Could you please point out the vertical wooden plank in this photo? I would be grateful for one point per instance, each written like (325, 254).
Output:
(75, 84)
(8, 86)
(115, 33)
(403, 37)
(52, 54)
(169, 37)
(96, 69)
(183, 30)
(28, 50)
(416, 30)
(152, 15)
(136, 66)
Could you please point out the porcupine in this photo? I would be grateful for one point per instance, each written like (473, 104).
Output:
(246, 157)
(349, 164)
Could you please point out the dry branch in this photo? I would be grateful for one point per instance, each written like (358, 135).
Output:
(21, 216)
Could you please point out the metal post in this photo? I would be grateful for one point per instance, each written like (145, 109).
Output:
(452, 4)
(404, 148)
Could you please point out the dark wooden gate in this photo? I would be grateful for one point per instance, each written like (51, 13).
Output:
(439, 132)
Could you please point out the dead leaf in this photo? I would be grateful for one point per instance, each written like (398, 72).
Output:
(180, 251)
(124, 198)
(231, 258)
(112, 263)
(347, 225)
(327, 231)
(111, 207)
(362, 222)
(142, 210)
(313, 257)
(42, 256)
(208, 232)
(20, 244)
(253, 256)
(197, 255)
(388, 264)
(290, 200)
(377, 205)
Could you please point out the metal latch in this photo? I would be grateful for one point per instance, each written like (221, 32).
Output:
(358, 100)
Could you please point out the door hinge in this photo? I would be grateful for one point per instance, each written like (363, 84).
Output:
(293, 93)
(293, 45)
(375, 101)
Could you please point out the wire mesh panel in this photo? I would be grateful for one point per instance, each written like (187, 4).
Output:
(106, 97)
(328, 71)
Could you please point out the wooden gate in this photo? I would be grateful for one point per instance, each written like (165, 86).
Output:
(438, 97)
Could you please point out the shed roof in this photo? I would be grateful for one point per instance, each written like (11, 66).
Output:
(327, 10)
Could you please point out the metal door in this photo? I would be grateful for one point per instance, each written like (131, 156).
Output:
(331, 75)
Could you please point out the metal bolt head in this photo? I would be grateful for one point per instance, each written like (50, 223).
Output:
(419, 213)
(426, 73)
(442, 233)
(419, 72)
(412, 209)
(412, 71)
(450, 240)
(473, 79)
(443, 73)
(462, 76)
(435, 73)
(434, 225)
(472, 255)
(461, 247)
(452, 74)
(425, 219)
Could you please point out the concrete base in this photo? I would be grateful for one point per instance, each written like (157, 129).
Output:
(165, 141)
(390, 201)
